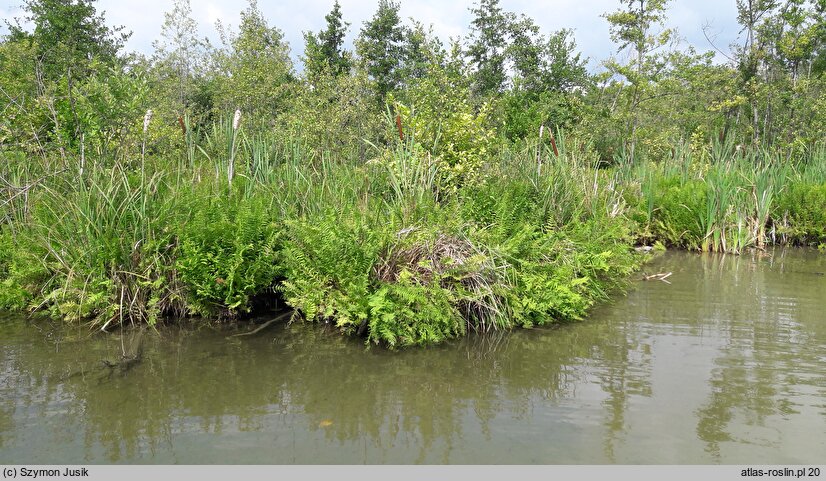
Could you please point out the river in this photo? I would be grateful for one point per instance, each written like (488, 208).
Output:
(724, 363)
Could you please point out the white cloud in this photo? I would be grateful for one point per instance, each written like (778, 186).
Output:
(10, 14)
(211, 14)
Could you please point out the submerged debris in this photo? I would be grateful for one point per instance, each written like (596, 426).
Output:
(657, 277)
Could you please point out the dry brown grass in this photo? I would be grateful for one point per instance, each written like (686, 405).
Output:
(457, 265)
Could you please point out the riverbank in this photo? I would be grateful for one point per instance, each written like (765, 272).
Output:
(393, 250)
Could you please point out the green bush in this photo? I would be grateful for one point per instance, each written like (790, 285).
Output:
(800, 213)
(229, 251)
(327, 265)
(373, 274)
(676, 215)
(103, 242)
(21, 275)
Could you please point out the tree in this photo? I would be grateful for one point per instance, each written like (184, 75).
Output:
(21, 122)
(420, 49)
(632, 28)
(326, 49)
(544, 64)
(180, 52)
(68, 35)
(380, 47)
(563, 68)
(525, 50)
(750, 14)
(549, 82)
(780, 52)
(819, 34)
(255, 70)
(502, 42)
(438, 111)
(487, 50)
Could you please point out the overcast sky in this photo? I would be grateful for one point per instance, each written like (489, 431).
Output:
(449, 19)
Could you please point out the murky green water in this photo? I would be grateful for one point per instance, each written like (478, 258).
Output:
(727, 364)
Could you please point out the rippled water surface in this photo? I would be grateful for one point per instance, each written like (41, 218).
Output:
(726, 364)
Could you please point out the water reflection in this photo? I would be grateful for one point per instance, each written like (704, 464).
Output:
(769, 373)
(722, 365)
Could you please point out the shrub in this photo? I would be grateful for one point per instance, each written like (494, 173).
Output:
(800, 213)
(676, 215)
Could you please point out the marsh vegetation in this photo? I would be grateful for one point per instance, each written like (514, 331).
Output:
(408, 191)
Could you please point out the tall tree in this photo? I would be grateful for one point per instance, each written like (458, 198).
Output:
(781, 49)
(380, 47)
(68, 34)
(326, 49)
(819, 35)
(180, 52)
(488, 43)
(549, 78)
(633, 28)
(543, 64)
(255, 66)
(525, 50)
(20, 123)
(750, 14)
(421, 48)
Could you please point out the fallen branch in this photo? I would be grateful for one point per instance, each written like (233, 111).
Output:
(657, 277)
(263, 326)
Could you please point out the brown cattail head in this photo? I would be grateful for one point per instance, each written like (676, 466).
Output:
(399, 127)
(146, 119)
(553, 144)
(182, 124)
(236, 121)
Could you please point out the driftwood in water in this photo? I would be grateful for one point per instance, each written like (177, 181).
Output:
(657, 277)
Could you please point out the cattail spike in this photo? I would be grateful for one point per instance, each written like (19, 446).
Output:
(236, 121)
(182, 124)
(553, 144)
(399, 127)
(146, 119)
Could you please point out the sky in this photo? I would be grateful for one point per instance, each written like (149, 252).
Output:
(448, 18)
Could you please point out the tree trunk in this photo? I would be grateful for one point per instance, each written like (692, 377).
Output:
(72, 106)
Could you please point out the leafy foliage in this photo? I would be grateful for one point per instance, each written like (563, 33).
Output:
(801, 214)
(325, 51)
(254, 72)
(380, 47)
(229, 251)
